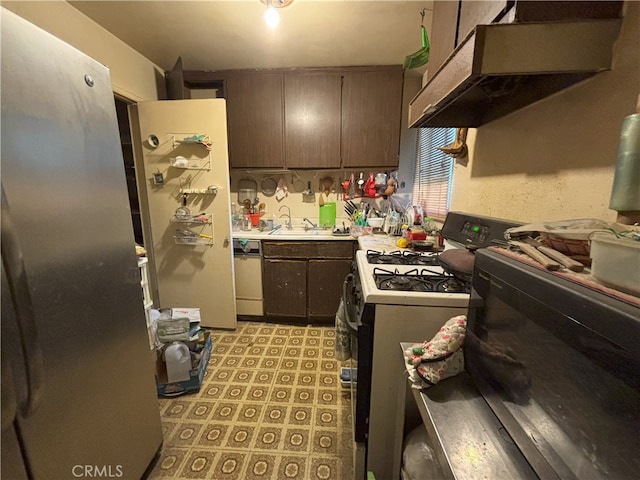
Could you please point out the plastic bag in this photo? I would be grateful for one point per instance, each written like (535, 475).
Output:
(577, 229)
(343, 335)
(418, 457)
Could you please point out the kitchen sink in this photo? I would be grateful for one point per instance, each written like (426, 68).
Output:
(300, 232)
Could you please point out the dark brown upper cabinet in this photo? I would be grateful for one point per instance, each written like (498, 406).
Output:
(442, 37)
(311, 118)
(174, 82)
(371, 112)
(480, 12)
(255, 120)
(312, 106)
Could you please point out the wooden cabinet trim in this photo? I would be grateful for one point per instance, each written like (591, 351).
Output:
(308, 249)
(194, 78)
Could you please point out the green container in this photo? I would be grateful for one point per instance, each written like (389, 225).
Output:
(327, 216)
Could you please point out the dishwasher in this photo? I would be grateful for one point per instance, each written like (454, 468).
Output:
(247, 265)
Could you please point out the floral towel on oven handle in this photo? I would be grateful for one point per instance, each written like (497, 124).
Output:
(439, 358)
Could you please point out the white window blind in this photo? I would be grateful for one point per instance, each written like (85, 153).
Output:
(434, 169)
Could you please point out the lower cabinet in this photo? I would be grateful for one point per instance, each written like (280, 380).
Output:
(303, 280)
(285, 287)
(324, 286)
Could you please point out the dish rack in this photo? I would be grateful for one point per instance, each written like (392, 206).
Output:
(394, 222)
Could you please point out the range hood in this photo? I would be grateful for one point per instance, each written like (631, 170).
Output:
(501, 68)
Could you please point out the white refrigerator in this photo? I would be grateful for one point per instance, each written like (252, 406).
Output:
(181, 155)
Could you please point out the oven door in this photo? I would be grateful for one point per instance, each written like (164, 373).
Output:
(361, 353)
(558, 364)
(350, 302)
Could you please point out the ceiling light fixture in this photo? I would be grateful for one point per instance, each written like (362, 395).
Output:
(272, 16)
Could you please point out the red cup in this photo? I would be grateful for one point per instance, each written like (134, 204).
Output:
(255, 219)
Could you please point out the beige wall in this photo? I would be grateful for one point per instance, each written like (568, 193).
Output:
(132, 75)
(555, 159)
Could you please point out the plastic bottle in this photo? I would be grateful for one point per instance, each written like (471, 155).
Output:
(178, 360)
(236, 218)
(246, 223)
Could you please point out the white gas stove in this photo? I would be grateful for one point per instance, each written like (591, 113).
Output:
(396, 296)
(406, 278)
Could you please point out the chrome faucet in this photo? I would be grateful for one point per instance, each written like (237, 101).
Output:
(313, 225)
(288, 215)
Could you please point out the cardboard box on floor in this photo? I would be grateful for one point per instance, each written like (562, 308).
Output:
(196, 374)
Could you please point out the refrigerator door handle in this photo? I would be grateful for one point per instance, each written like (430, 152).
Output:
(13, 263)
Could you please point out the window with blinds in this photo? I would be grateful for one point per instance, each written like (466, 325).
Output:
(434, 170)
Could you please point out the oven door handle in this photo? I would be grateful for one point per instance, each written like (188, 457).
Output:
(345, 298)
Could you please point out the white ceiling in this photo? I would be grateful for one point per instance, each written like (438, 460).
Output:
(232, 34)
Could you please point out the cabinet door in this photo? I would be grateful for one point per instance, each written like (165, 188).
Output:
(325, 286)
(475, 12)
(443, 34)
(255, 120)
(285, 288)
(174, 81)
(312, 119)
(371, 113)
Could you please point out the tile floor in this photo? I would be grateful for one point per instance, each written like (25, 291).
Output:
(271, 407)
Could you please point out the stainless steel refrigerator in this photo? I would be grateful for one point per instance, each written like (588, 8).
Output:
(78, 389)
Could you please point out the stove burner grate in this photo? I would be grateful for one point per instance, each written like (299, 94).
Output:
(414, 281)
(402, 258)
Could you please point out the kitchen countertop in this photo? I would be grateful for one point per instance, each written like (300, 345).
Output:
(378, 241)
(381, 242)
(365, 242)
(296, 234)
